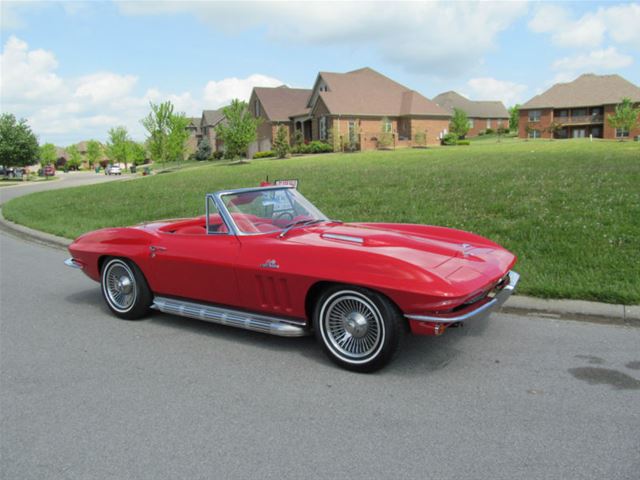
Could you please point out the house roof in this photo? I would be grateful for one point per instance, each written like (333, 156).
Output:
(367, 92)
(473, 108)
(194, 122)
(282, 102)
(211, 118)
(584, 91)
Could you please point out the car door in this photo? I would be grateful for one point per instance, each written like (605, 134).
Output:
(197, 264)
(198, 267)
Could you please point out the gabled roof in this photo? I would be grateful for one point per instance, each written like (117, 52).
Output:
(194, 122)
(473, 108)
(584, 91)
(282, 102)
(367, 92)
(211, 118)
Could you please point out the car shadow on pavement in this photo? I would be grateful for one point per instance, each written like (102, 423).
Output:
(416, 355)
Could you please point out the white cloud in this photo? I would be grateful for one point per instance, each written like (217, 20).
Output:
(438, 38)
(488, 88)
(217, 94)
(104, 87)
(67, 110)
(619, 23)
(28, 74)
(596, 60)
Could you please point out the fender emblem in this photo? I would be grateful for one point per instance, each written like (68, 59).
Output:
(270, 264)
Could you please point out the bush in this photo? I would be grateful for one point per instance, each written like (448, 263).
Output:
(420, 139)
(385, 139)
(281, 143)
(265, 154)
(450, 139)
(480, 133)
(218, 155)
(319, 147)
(489, 131)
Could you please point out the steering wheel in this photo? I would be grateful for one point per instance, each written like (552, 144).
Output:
(282, 215)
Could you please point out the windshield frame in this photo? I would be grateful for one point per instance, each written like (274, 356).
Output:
(218, 198)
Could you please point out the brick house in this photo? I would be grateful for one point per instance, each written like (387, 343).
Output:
(580, 108)
(195, 135)
(360, 105)
(275, 106)
(208, 122)
(482, 114)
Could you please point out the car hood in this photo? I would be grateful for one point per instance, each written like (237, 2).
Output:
(454, 256)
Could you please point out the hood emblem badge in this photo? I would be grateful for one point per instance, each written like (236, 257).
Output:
(271, 263)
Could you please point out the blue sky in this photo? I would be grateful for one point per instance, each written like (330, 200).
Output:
(75, 69)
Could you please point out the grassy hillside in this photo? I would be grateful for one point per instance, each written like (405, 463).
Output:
(569, 209)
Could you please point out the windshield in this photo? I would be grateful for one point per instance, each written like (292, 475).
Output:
(272, 210)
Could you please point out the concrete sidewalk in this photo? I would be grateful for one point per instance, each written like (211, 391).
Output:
(568, 309)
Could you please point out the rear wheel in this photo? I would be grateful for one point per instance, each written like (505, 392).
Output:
(358, 329)
(125, 289)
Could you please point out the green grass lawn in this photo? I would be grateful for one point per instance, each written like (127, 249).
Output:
(569, 209)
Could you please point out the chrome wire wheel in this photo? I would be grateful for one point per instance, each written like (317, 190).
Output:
(119, 286)
(352, 326)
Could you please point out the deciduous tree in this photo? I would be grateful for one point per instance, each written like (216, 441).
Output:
(459, 123)
(94, 152)
(48, 154)
(117, 145)
(18, 144)
(281, 143)
(514, 117)
(626, 116)
(239, 129)
(75, 158)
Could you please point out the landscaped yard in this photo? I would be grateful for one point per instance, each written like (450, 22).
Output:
(569, 209)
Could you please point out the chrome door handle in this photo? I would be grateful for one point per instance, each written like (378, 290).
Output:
(155, 249)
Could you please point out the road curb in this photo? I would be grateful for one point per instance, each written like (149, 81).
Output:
(597, 312)
(33, 235)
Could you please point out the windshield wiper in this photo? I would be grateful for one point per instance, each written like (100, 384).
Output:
(299, 223)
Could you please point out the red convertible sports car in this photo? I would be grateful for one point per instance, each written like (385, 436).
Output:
(266, 259)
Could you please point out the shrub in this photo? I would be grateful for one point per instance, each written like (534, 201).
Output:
(489, 131)
(385, 139)
(319, 147)
(480, 133)
(420, 139)
(265, 154)
(450, 139)
(218, 155)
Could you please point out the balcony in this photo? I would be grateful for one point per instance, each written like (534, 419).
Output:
(580, 119)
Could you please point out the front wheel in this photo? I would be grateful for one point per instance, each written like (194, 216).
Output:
(125, 289)
(358, 329)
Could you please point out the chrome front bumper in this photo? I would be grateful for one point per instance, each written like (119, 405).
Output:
(73, 263)
(484, 308)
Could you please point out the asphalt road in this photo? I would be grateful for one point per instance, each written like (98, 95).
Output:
(64, 180)
(85, 395)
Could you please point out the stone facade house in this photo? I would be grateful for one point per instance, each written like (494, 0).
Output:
(579, 108)
(482, 114)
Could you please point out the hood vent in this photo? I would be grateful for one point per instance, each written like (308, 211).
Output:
(344, 238)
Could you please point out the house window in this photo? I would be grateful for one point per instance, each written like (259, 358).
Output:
(579, 112)
(471, 124)
(257, 107)
(386, 125)
(322, 127)
(622, 132)
(596, 111)
(534, 133)
(488, 123)
(534, 115)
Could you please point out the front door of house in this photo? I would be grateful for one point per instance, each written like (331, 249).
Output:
(579, 132)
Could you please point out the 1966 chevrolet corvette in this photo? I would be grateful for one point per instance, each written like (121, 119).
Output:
(266, 259)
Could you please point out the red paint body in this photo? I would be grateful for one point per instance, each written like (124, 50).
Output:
(422, 269)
